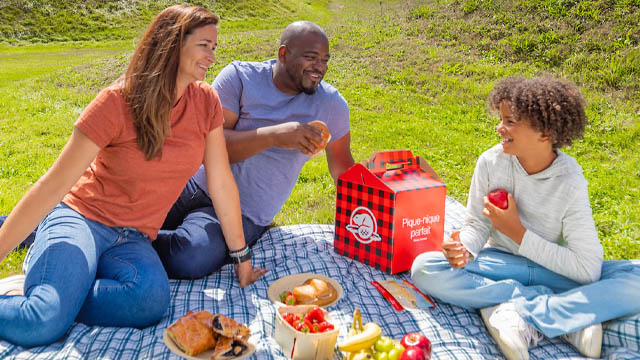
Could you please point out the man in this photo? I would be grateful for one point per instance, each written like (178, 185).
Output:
(266, 109)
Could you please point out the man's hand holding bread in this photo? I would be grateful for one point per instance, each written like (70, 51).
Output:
(309, 138)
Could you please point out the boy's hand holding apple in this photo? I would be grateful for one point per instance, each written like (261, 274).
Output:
(506, 220)
(457, 255)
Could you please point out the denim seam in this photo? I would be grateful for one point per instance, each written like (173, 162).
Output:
(27, 259)
(45, 253)
(125, 285)
(531, 267)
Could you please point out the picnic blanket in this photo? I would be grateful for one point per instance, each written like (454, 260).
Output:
(454, 332)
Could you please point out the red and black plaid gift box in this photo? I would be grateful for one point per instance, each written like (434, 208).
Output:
(390, 213)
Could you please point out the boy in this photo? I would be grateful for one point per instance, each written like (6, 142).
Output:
(535, 267)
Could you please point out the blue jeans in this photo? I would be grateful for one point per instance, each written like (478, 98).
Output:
(552, 303)
(81, 270)
(191, 244)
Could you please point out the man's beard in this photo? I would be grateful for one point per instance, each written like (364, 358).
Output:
(298, 80)
(308, 90)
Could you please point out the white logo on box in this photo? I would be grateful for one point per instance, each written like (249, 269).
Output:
(363, 225)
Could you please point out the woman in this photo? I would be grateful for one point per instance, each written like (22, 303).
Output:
(131, 153)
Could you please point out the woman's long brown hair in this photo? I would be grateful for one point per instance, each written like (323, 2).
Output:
(150, 81)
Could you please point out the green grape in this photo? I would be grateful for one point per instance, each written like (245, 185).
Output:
(394, 354)
(384, 344)
(381, 355)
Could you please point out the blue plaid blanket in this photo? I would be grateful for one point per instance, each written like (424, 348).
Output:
(454, 332)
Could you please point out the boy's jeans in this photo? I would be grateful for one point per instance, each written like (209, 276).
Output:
(552, 303)
(81, 270)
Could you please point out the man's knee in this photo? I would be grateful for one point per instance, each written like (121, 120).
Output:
(192, 251)
(194, 262)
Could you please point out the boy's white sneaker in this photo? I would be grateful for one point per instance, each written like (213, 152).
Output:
(12, 285)
(587, 341)
(512, 334)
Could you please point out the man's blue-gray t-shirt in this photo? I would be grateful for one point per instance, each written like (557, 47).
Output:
(266, 179)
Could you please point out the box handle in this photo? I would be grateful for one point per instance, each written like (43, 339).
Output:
(382, 161)
(396, 165)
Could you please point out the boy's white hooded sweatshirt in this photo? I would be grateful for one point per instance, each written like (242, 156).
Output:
(553, 206)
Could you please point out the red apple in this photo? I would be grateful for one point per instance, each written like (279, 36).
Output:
(417, 340)
(414, 353)
(499, 198)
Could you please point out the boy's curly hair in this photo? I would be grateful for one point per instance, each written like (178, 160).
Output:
(552, 106)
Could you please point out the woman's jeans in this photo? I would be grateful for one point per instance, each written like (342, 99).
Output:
(81, 270)
(552, 303)
(191, 244)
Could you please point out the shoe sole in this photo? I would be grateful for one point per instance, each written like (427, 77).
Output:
(14, 282)
(507, 350)
(590, 349)
(597, 334)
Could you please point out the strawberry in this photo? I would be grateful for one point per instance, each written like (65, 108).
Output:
(283, 296)
(301, 326)
(325, 326)
(290, 299)
(316, 315)
(315, 328)
(290, 318)
(308, 323)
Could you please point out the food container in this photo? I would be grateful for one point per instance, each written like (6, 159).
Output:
(304, 346)
(389, 212)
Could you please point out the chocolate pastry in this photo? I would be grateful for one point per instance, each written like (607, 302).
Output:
(228, 348)
(228, 327)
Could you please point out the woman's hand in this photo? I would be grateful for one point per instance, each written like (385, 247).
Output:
(506, 221)
(247, 274)
(457, 255)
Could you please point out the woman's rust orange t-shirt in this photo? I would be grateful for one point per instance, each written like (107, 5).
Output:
(122, 188)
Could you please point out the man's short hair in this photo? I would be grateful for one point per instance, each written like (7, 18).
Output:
(295, 29)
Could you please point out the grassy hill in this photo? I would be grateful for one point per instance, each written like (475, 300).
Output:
(416, 75)
(62, 20)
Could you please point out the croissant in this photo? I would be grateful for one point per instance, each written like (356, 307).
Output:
(228, 348)
(228, 327)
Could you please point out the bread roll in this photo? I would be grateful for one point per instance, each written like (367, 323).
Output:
(321, 286)
(326, 135)
(315, 292)
(304, 294)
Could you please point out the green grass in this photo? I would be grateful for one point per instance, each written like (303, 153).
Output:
(96, 20)
(416, 75)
